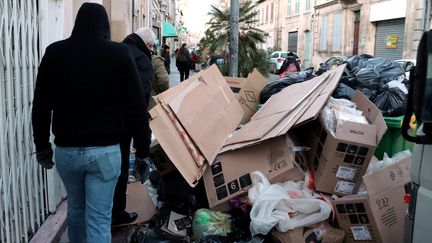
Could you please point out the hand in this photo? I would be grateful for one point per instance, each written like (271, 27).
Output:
(45, 158)
(142, 169)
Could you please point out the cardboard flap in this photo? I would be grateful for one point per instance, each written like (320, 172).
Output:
(284, 109)
(207, 109)
(174, 147)
(372, 113)
(388, 177)
(360, 133)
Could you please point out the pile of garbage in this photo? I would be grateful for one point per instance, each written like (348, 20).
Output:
(292, 171)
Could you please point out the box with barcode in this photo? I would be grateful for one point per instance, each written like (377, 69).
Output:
(340, 158)
(379, 215)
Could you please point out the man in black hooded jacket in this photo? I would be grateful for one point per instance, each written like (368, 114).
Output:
(89, 90)
(139, 44)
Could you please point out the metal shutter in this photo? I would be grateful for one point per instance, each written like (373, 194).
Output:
(383, 30)
(292, 41)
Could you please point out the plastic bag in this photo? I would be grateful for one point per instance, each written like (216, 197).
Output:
(276, 86)
(357, 60)
(391, 101)
(207, 222)
(387, 161)
(215, 239)
(287, 206)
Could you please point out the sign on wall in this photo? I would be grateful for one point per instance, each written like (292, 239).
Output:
(391, 42)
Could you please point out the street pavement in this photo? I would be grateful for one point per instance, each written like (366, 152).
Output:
(175, 75)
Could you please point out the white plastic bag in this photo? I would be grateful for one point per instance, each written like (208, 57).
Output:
(288, 205)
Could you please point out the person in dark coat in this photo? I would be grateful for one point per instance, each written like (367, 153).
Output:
(139, 43)
(166, 56)
(183, 62)
(87, 91)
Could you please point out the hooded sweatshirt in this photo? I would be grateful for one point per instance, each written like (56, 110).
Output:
(90, 88)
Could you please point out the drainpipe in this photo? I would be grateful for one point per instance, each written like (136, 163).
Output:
(426, 13)
(149, 9)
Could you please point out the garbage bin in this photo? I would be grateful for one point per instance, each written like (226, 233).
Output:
(392, 141)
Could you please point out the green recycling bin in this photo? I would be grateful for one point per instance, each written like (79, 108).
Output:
(393, 141)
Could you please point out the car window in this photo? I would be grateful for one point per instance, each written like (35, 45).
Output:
(284, 55)
(274, 55)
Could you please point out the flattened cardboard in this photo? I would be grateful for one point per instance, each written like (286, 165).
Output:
(288, 108)
(174, 146)
(378, 216)
(339, 160)
(193, 120)
(229, 176)
(206, 108)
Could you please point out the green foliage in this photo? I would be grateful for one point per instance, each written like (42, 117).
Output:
(217, 38)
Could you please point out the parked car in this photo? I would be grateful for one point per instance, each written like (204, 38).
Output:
(407, 64)
(276, 59)
(330, 63)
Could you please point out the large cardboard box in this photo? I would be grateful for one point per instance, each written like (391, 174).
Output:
(379, 215)
(248, 91)
(340, 160)
(263, 144)
(192, 121)
(229, 176)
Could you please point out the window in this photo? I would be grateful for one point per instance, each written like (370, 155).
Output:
(271, 12)
(323, 34)
(289, 8)
(337, 32)
(260, 16)
(308, 5)
(267, 14)
(297, 6)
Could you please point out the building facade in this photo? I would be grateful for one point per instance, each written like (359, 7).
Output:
(319, 29)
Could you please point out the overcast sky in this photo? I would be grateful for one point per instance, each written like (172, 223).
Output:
(195, 14)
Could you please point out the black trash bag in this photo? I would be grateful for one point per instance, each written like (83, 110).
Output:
(215, 239)
(154, 235)
(276, 86)
(176, 193)
(357, 60)
(384, 69)
(343, 91)
(391, 101)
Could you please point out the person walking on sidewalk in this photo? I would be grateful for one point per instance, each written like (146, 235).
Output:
(183, 62)
(88, 89)
(166, 56)
(139, 43)
(160, 77)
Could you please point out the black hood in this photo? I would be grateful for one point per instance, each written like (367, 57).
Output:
(92, 20)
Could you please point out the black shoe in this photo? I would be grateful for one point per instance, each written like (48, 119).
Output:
(124, 218)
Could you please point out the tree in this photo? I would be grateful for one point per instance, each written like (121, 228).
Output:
(217, 37)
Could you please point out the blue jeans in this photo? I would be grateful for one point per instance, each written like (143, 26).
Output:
(89, 175)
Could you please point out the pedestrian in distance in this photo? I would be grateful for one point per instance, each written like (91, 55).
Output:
(167, 59)
(139, 43)
(183, 62)
(160, 77)
(87, 91)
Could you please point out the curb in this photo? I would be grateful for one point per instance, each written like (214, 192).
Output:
(53, 227)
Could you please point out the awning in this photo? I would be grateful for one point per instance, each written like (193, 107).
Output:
(168, 30)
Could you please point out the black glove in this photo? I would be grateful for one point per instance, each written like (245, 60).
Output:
(45, 158)
(142, 169)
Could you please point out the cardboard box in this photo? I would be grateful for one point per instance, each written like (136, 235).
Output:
(379, 215)
(263, 144)
(248, 91)
(193, 120)
(320, 232)
(340, 160)
(229, 176)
